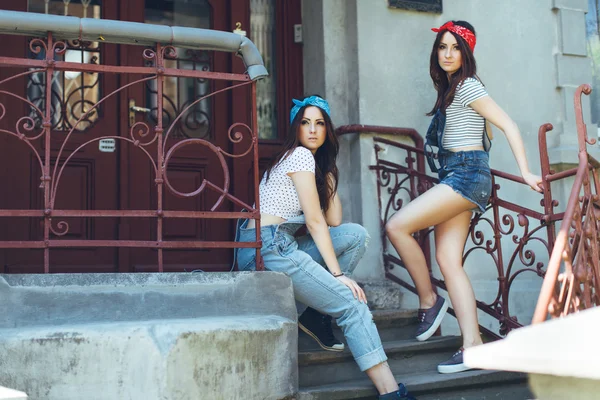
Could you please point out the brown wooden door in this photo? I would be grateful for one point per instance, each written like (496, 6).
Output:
(270, 25)
(208, 120)
(89, 179)
(124, 179)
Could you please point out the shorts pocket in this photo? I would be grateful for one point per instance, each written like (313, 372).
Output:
(482, 190)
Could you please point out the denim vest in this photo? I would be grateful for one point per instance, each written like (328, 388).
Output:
(435, 138)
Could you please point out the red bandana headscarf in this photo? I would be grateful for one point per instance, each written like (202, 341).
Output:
(459, 30)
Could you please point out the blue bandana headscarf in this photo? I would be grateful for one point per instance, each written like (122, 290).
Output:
(309, 101)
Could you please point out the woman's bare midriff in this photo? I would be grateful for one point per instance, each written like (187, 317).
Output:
(265, 220)
(468, 148)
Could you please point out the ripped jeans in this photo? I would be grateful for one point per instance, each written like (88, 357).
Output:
(314, 286)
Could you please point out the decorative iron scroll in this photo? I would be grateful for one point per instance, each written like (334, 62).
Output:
(35, 130)
(179, 92)
(73, 92)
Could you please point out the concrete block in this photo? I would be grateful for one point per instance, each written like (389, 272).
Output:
(245, 357)
(149, 336)
(572, 32)
(549, 387)
(573, 70)
(383, 295)
(579, 5)
(61, 299)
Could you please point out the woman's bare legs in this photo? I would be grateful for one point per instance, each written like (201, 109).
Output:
(382, 377)
(450, 238)
(440, 203)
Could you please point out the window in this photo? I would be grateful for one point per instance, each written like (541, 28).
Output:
(73, 93)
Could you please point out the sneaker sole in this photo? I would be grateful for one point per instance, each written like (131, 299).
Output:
(436, 323)
(309, 333)
(452, 369)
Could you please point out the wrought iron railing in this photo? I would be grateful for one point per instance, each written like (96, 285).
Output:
(577, 285)
(35, 128)
(510, 235)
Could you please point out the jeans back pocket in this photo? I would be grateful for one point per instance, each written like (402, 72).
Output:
(246, 259)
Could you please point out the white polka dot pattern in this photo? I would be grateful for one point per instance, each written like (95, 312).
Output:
(278, 195)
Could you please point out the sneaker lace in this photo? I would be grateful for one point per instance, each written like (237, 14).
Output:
(458, 352)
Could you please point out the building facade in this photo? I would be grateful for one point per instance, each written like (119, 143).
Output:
(369, 58)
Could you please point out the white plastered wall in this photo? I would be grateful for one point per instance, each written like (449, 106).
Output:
(372, 63)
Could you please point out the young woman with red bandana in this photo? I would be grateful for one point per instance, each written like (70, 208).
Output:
(458, 130)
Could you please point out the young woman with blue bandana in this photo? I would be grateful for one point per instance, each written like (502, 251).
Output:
(300, 188)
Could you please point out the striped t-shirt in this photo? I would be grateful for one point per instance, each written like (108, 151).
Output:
(464, 127)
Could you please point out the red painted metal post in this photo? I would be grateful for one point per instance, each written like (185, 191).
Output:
(160, 155)
(47, 125)
(260, 266)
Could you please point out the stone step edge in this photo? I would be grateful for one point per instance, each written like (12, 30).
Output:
(392, 317)
(418, 384)
(307, 358)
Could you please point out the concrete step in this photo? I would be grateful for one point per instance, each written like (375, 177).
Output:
(470, 385)
(148, 336)
(392, 325)
(404, 357)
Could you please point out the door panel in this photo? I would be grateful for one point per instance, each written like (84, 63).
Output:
(208, 120)
(89, 179)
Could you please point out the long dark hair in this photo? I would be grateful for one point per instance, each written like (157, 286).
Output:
(325, 157)
(445, 87)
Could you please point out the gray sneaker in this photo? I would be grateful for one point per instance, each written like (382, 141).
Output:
(431, 318)
(454, 364)
(400, 394)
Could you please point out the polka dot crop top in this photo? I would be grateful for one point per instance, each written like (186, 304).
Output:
(278, 195)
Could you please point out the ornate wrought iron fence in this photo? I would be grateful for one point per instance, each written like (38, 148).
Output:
(577, 245)
(149, 138)
(516, 240)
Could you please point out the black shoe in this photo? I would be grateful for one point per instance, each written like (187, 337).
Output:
(402, 393)
(431, 318)
(318, 326)
(454, 364)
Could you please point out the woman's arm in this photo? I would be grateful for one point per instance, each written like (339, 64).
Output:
(488, 109)
(333, 215)
(306, 186)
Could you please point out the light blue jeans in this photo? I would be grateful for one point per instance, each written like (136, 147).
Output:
(314, 286)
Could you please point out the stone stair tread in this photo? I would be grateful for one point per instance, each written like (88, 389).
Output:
(394, 313)
(417, 383)
(394, 316)
(307, 358)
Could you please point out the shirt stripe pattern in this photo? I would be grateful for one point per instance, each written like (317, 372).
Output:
(464, 127)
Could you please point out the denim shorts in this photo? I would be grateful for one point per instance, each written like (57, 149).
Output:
(468, 173)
